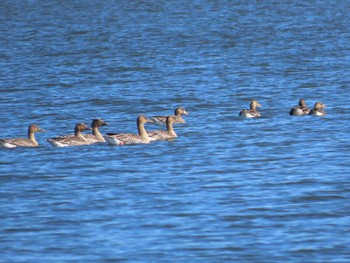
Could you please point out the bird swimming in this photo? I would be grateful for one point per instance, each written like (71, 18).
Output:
(77, 139)
(23, 142)
(130, 138)
(300, 110)
(177, 114)
(96, 134)
(252, 112)
(164, 135)
(318, 109)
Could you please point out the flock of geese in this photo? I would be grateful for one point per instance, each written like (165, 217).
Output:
(78, 138)
(299, 110)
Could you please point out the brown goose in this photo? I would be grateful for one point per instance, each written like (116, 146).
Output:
(300, 110)
(23, 142)
(252, 112)
(177, 114)
(129, 138)
(318, 109)
(164, 135)
(69, 140)
(96, 135)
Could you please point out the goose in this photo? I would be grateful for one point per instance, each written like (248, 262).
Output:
(252, 112)
(129, 138)
(96, 135)
(23, 142)
(318, 109)
(177, 114)
(168, 134)
(300, 110)
(70, 140)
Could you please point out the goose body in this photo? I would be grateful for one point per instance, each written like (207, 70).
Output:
(177, 116)
(164, 135)
(252, 112)
(318, 109)
(23, 142)
(77, 139)
(129, 138)
(300, 110)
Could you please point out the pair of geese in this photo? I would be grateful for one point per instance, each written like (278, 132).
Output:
(299, 110)
(79, 138)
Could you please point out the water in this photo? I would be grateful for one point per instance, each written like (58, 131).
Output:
(273, 189)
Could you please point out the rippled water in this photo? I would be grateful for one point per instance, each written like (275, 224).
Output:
(272, 189)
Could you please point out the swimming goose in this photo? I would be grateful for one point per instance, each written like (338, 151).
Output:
(23, 142)
(252, 112)
(168, 134)
(300, 110)
(128, 138)
(70, 140)
(96, 135)
(318, 109)
(178, 116)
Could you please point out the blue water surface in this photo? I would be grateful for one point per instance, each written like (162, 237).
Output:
(270, 189)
